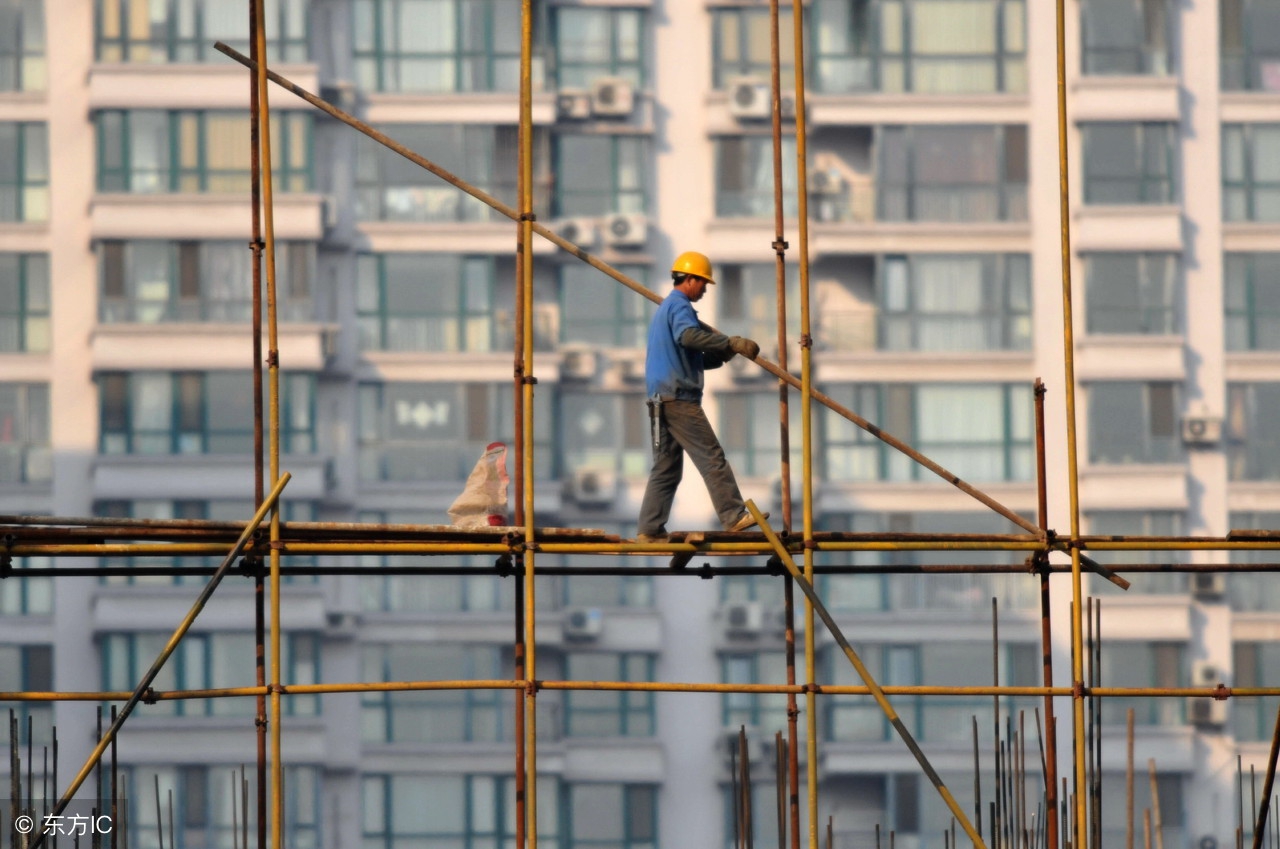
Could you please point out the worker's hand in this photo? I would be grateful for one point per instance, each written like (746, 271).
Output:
(744, 346)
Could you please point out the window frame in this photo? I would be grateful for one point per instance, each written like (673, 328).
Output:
(468, 319)
(171, 46)
(902, 143)
(1150, 58)
(1152, 319)
(635, 712)
(635, 72)
(1152, 188)
(27, 174)
(1006, 313)
(26, 66)
(1153, 451)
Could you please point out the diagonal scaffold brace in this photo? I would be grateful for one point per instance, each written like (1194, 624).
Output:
(820, 610)
(144, 685)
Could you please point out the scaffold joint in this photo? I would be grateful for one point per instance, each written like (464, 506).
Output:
(1077, 690)
(780, 245)
(810, 545)
(793, 713)
(273, 359)
(806, 341)
(1221, 693)
(149, 696)
(706, 573)
(532, 687)
(774, 565)
(528, 216)
(277, 545)
(259, 721)
(529, 380)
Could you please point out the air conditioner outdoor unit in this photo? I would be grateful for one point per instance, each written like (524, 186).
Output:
(743, 619)
(573, 104)
(750, 99)
(612, 97)
(1208, 584)
(625, 230)
(592, 487)
(580, 231)
(633, 370)
(1201, 430)
(1202, 710)
(340, 94)
(583, 623)
(339, 625)
(579, 364)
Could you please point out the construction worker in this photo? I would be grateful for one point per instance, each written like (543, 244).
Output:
(680, 349)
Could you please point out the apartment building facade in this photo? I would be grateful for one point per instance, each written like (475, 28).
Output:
(936, 301)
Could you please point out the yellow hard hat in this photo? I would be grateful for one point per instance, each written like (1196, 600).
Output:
(692, 262)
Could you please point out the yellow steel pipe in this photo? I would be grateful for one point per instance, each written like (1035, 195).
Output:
(1223, 694)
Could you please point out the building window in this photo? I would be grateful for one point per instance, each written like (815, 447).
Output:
(1250, 174)
(29, 668)
(598, 42)
(434, 716)
(740, 45)
(391, 188)
(750, 432)
(612, 816)
(744, 177)
(24, 303)
(26, 453)
(24, 596)
(439, 46)
(1251, 295)
(437, 431)
(205, 660)
(966, 302)
(1126, 37)
(1252, 592)
(207, 803)
(152, 151)
(597, 591)
(425, 302)
(22, 46)
(606, 713)
(228, 510)
(1131, 422)
(941, 664)
(981, 432)
(604, 431)
(747, 303)
(1136, 293)
(1153, 523)
(185, 30)
(920, 46)
(597, 310)
(381, 592)
(154, 282)
(24, 182)
(763, 712)
(599, 175)
(1129, 163)
(1253, 446)
(197, 413)
(405, 810)
(1143, 664)
(1249, 33)
(953, 173)
(1254, 664)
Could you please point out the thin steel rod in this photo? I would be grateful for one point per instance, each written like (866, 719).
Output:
(205, 594)
(877, 691)
(1260, 826)
(1128, 780)
(793, 716)
(1041, 561)
(807, 390)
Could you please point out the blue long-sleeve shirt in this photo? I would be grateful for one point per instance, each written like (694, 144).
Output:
(673, 369)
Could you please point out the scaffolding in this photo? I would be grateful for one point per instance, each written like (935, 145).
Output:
(788, 553)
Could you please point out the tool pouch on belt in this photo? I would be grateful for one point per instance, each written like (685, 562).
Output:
(655, 423)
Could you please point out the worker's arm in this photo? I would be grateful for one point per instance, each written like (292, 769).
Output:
(717, 348)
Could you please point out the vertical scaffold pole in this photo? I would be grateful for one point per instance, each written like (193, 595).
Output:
(1046, 633)
(273, 406)
(526, 319)
(806, 416)
(1073, 481)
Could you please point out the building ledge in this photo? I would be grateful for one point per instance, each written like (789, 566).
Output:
(835, 366)
(496, 107)
(1144, 97)
(116, 607)
(120, 215)
(1134, 486)
(1130, 357)
(221, 83)
(1128, 227)
(1250, 236)
(205, 476)
(199, 346)
(740, 239)
(1249, 107)
(482, 237)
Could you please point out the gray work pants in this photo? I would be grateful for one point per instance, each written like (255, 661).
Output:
(683, 426)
